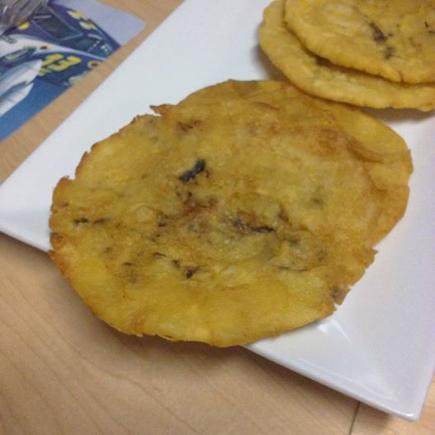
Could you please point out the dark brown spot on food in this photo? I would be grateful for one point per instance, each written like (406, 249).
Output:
(199, 167)
(162, 220)
(176, 263)
(388, 52)
(127, 263)
(158, 254)
(187, 126)
(318, 202)
(377, 34)
(262, 229)
(282, 215)
(192, 206)
(338, 294)
(212, 202)
(190, 271)
(321, 61)
(244, 227)
(102, 220)
(161, 109)
(429, 28)
(294, 241)
(240, 225)
(321, 255)
(194, 227)
(81, 220)
(153, 237)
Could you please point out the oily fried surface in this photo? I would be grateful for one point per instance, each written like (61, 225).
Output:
(244, 211)
(319, 77)
(394, 39)
(385, 154)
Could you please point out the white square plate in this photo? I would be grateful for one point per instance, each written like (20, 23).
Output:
(379, 347)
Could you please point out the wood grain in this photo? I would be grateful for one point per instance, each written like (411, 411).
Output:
(370, 421)
(64, 372)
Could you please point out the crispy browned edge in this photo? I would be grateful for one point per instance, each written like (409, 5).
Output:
(56, 239)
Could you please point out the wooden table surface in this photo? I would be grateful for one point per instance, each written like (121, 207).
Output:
(63, 371)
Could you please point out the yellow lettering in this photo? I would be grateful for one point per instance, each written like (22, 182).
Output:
(57, 62)
(88, 25)
(85, 22)
(77, 15)
(52, 58)
(24, 26)
(64, 64)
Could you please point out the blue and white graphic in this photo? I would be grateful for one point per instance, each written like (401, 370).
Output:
(47, 54)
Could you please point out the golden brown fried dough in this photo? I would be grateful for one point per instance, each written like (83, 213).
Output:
(244, 211)
(321, 78)
(394, 39)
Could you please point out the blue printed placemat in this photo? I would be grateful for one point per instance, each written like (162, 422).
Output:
(57, 46)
